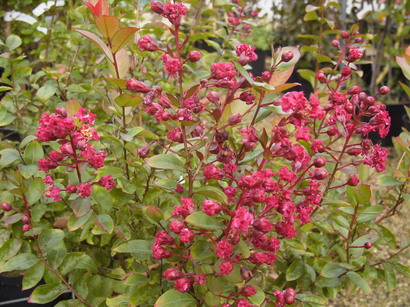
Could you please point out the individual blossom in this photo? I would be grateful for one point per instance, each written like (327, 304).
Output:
(293, 101)
(242, 220)
(243, 303)
(200, 279)
(46, 164)
(223, 71)
(211, 207)
(174, 12)
(226, 268)
(245, 54)
(93, 157)
(186, 235)
(176, 226)
(52, 190)
(286, 175)
(159, 252)
(185, 209)
(172, 65)
(377, 158)
(107, 182)
(175, 135)
(182, 284)
(248, 290)
(85, 116)
(211, 171)
(145, 43)
(173, 274)
(84, 190)
(224, 249)
(354, 55)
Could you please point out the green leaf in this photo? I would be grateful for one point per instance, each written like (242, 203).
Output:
(47, 293)
(33, 276)
(257, 298)
(212, 193)
(166, 161)
(200, 250)
(74, 223)
(10, 249)
(33, 153)
(142, 294)
(118, 301)
(8, 156)
(311, 299)
(107, 25)
(140, 249)
(45, 92)
(389, 276)
(103, 198)
(387, 180)
(203, 221)
(81, 206)
(13, 42)
(20, 262)
(332, 270)
(27, 170)
(358, 281)
(50, 238)
(35, 190)
(127, 100)
(402, 269)
(295, 270)
(96, 40)
(244, 73)
(70, 262)
(173, 298)
(370, 213)
(212, 300)
(105, 222)
(122, 37)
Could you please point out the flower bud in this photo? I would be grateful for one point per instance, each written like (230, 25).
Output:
(353, 181)
(344, 34)
(71, 188)
(143, 151)
(194, 56)
(137, 86)
(287, 56)
(362, 96)
(157, 7)
(368, 245)
(321, 76)
(346, 71)
(289, 296)
(370, 100)
(246, 273)
(221, 136)
(336, 43)
(234, 119)
(61, 111)
(179, 189)
(173, 274)
(319, 162)
(6, 206)
(25, 219)
(354, 90)
(384, 90)
(320, 174)
(266, 76)
(213, 97)
(26, 227)
(182, 285)
(354, 151)
(349, 108)
(358, 40)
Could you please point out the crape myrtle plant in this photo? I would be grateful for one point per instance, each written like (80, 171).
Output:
(207, 186)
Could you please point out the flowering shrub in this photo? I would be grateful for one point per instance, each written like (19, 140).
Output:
(228, 192)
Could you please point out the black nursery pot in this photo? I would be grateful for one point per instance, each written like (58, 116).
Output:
(399, 120)
(11, 294)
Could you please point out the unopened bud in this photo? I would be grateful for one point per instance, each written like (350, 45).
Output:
(25, 219)
(354, 90)
(26, 227)
(384, 90)
(143, 151)
(344, 34)
(368, 245)
(61, 111)
(346, 71)
(319, 162)
(321, 76)
(246, 273)
(157, 7)
(6, 206)
(320, 174)
(287, 56)
(194, 56)
(336, 43)
(234, 119)
(353, 181)
(213, 97)
(137, 86)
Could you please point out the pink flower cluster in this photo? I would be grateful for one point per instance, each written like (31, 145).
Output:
(75, 150)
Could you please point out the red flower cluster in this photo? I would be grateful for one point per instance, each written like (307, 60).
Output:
(75, 150)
